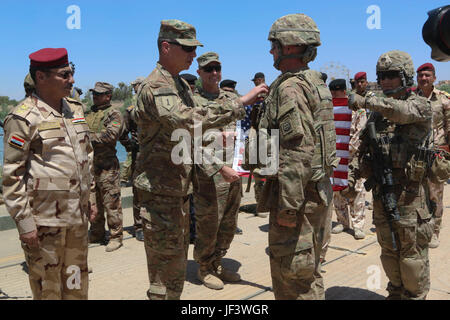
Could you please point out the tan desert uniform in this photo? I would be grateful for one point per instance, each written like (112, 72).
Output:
(216, 201)
(356, 203)
(441, 137)
(105, 123)
(47, 183)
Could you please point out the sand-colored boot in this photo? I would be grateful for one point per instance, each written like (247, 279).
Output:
(208, 278)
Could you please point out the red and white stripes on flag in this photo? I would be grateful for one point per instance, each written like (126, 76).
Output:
(342, 122)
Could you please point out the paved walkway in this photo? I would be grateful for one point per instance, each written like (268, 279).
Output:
(352, 269)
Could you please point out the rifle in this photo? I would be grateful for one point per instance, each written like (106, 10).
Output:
(382, 176)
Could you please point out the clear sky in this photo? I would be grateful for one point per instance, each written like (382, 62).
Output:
(117, 39)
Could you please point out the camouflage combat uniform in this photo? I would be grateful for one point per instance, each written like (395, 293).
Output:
(165, 103)
(105, 123)
(440, 104)
(216, 201)
(47, 184)
(406, 125)
(299, 106)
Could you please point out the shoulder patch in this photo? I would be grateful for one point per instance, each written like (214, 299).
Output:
(116, 123)
(22, 109)
(16, 142)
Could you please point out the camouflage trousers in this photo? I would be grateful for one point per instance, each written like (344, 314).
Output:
(436, 192)
(356, 205)
(136, 206)
(407, 267)
(258, 186)
(58, 269)
(107, 187)
(327, 232)
(295, 252)
(216, 205)
(166, 239)
(126, 172)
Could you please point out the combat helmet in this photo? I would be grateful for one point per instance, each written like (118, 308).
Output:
(400, 61)
(295, 29)
(28, 85)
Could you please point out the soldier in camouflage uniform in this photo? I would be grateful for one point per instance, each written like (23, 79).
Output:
(165, 103)
(299, 194)
(132, 146)
(48, 179)
(349, 204)
(440, 104)
(402, 120)
(126, 172)
(105, 123)
(216, 201)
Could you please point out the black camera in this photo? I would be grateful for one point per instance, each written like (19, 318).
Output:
(436, 33)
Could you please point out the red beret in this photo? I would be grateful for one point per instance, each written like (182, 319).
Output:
(360, 75)
(425, 66)
(49, 58)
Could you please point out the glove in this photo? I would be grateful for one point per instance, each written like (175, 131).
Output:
(356, 102)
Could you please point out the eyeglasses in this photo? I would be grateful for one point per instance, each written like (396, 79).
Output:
(185, 48)
(389, 75)
(209, 69)
(65, 75)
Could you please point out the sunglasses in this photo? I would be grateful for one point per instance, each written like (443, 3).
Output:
(98, 93)
(185, 48)
(209, 69)
(388, 75)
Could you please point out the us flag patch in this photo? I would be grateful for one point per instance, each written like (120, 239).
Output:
(17, 142)
(78, 120)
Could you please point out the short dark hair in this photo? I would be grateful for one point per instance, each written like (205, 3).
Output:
(34, 69)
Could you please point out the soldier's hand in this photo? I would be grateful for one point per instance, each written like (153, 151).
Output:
(356, 102)
(229, 174)
(252, 96)
(92, 212)
(30, 239)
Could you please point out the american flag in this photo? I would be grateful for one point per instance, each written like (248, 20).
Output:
(243, 129)
(246, 123)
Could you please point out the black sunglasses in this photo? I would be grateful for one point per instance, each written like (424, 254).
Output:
(389, 75)
(208, 69)
(185, 48)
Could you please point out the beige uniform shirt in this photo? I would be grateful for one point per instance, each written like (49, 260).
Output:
(440, 104)
(48, 163)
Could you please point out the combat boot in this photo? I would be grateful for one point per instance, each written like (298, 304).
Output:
(208, 278)
(359, 234)
(113, 245)
(434, 243)
(139, 235)
(224, 274)
(338, 228)
(96, 238)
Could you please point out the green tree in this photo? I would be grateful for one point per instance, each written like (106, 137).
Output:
(445, 87)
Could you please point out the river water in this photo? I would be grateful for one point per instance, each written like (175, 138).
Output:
(121, 153)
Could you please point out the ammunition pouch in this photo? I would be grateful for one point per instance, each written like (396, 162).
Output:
(440, 169)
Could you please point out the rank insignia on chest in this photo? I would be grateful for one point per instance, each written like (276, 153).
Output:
(115, 123)
(17, 142)
(78, 120)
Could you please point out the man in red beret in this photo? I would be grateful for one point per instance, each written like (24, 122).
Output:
(440, 104)
(47, 182)
(361, 83)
